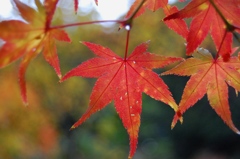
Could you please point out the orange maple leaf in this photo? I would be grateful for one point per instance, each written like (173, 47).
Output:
(208, 76)
(123, 80)
(206, 18)
(26, 39)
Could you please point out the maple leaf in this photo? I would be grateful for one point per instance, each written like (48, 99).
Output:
(206, 18)
(123, 80)
(153, 5)
(26, 39)
(208, 76)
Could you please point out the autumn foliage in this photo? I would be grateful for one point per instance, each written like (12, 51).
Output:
(124, 79)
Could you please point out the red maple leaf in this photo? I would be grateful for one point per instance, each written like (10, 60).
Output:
(152, 5)
(123, 80)
(208, 76)
(206, 18)
(26, 39)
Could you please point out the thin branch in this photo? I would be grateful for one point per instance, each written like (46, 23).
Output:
(129, 20)
(219, 49)
(86, 23)
(126, 22)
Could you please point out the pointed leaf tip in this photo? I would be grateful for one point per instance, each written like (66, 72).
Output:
(177, 116)
(60, 76)
(181, 120)
(25, 104)
(24, 98)
(61, 80)
(96, 2)
(75, 6)
(233, 128)
(173, 124)
(73, 127)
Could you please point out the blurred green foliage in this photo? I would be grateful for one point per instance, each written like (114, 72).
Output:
(41, 130)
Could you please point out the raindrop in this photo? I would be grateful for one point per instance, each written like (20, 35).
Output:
(203, 51)
(126, 94)
(127, 27)
(137, 102)
(132, 114)
(121, 98)
(134, 62)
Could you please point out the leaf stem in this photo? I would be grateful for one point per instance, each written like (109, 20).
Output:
(122, 22)
(225, 34)
(86, 23)
(129, 20)
(128, 25)
(127, 42)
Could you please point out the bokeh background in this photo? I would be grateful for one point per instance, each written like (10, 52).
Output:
(41, 130)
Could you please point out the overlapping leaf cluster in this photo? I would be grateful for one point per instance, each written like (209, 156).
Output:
(124, 79)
